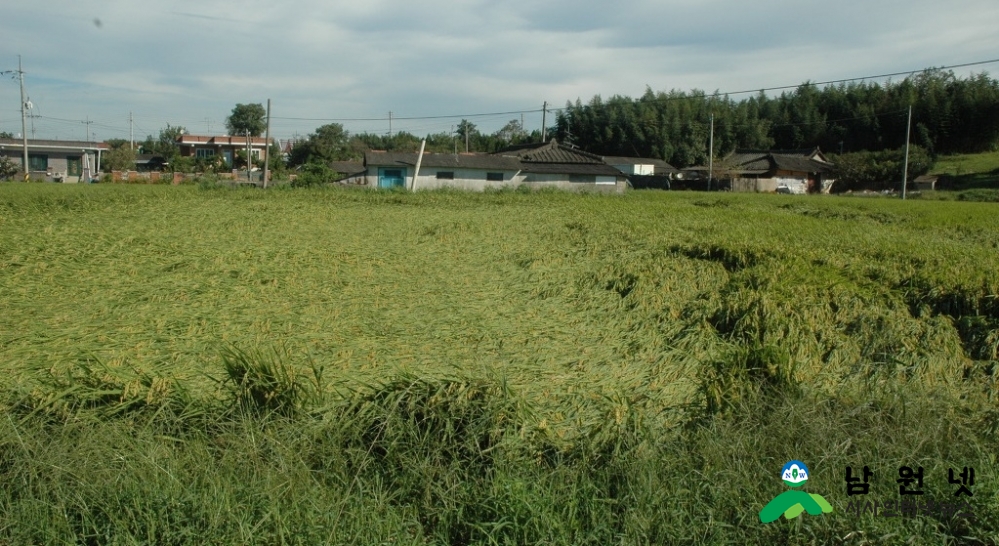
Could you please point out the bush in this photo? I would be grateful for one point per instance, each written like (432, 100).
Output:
(314, 174)
(8, 168)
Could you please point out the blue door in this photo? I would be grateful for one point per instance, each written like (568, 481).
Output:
(391, 178)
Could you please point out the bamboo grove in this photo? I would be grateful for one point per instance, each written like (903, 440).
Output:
(950, 115)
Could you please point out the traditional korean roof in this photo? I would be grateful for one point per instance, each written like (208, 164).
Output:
(761, 162)
(555, 158)
(551, 152)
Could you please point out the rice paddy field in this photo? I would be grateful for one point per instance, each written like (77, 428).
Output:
(205, 365)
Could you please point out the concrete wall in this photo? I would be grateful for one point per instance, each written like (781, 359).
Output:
(797, 184)
(465, 179)
(610, 184)
(475, 180)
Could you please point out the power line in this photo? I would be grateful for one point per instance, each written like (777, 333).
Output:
(685, 97)
(413, 118)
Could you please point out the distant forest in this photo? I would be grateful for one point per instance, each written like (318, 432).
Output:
(950, 115)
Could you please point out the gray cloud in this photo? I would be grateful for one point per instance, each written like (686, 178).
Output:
(186, 62)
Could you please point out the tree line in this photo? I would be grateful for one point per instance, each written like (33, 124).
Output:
(950, 115)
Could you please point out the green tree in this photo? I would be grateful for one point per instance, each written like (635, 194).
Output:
(511, 133)
(8, 169)
(120, 157)
(247, 117)
(5, 134)
(467, 131)
(880, 170)
(328, 143)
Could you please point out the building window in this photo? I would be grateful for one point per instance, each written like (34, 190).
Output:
(256, 153)
(445, 175)
(582, 178)
(494, 177)
(38, 162)
(74, 165)
(204, 153)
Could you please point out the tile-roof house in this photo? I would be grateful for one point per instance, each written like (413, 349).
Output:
(784, 171)
(537, 165)
(553, 164)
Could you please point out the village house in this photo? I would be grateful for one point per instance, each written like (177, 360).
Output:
(56, 160)
(207, 147)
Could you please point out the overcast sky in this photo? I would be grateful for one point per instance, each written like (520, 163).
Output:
(185, 62)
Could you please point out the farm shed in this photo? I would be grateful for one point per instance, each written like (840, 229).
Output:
(56, 160)
(350, 172)
(644, 172)
(927, 182)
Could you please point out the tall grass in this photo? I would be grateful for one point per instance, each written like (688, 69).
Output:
(310, 366)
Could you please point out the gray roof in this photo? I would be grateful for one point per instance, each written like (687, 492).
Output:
(34, 143)
(549, 158)
(555, 158)
(808, 160)
(347, 167)
(446, 161)
(551, 152)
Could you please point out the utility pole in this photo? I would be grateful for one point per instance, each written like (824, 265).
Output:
(905, 169)
(249, 159)
(267, 138)
(390, 124)
(466, 137)
(131, 133)
(711, 152)
(24, 123)
(87, 123)
(544, 120)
